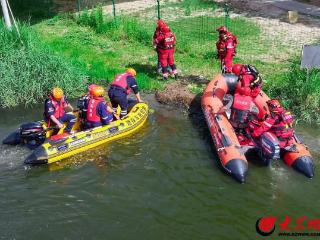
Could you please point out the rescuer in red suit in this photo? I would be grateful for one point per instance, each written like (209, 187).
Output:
(156, 34)
(236, 69)
(226, 48)
(279, 123)
(166, 46)
(250, 82)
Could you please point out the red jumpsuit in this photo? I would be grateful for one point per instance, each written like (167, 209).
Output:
(243, 86)
(166, 47)
(221, 49)
(156, 34)
(226, 49)
(279, 124)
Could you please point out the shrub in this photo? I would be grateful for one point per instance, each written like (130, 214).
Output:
(28, 69)
(121, 28)
(299, 91)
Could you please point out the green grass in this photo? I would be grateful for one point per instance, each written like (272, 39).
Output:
(103, 54)
(104, 47)
(190, 6)
(123, 28)
(101, 47)
(28, 69)
(108, 49)
(299, 91)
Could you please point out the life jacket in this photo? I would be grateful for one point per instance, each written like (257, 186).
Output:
(233, 37)
(253, 123)
(168, 42)
(220, 47)
(239, 111)
(156, 34)
(58, 107)
(121, 81)
(282, 127)
(230, 42)
(250, 81)
(92, 114)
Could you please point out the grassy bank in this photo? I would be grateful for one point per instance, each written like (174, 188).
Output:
(299, 90)
(28, 69)
(95, 45)
(104, 47)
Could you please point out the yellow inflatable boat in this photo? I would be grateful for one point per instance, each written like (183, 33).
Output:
(55, 150)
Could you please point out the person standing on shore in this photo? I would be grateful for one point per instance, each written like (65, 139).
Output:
(156, 34)
(226, 48)
(166, 42)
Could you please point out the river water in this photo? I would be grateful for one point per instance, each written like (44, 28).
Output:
(161, 183)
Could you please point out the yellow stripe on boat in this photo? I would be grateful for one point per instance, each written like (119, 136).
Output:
(53, 151)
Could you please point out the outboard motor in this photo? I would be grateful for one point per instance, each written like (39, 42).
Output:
(269, 148)
(32, 134)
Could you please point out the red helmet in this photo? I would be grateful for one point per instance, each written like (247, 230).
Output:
(91, 87)
(222, 29)
(236, 69)
(274, 106)
(161, 23)
(165, 29)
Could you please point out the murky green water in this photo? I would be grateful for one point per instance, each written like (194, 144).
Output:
(161, 183)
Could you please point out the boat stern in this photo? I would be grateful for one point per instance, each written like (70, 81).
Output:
(238, 169)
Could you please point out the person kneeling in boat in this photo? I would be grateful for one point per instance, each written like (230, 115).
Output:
(279, 122)
(83, 101)
(236, 68)
(54, 110)
(121, 88)
(275, 132)
(98, 112)
(250, 81)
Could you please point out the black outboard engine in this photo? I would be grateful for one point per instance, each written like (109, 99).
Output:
(32, 134)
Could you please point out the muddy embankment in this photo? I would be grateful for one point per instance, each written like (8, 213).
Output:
(179, 92)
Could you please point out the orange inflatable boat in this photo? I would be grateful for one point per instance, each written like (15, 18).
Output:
(230, 151)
